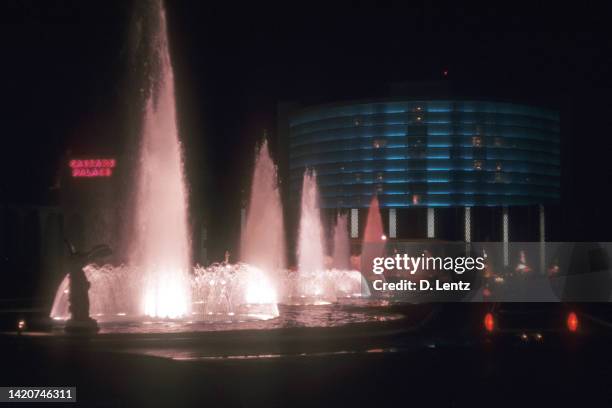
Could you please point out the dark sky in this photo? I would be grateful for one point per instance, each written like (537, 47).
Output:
(64, 66)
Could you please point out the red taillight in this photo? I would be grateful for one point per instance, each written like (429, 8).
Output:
(489, 322)
(572, 322)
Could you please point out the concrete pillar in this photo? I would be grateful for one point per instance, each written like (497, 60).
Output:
(506, 234)
(542, 240)
(392, 223)
(431, 222)
(354, 223)
(468, 225)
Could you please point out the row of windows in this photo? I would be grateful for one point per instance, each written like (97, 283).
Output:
(467, 120)
(452, 189)
(473, 180)
(433, 143)
(444, 165)
(416, 200)
(434, 155)
(427, 196)
(452, 132)
(490, 184)
(390, 108)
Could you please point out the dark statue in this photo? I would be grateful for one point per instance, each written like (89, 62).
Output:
(78, 297)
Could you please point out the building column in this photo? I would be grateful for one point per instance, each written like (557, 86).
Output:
(542, 240)
(354, 223)
(431, 222)
(392, 223)
(505, 234)
(467, 225)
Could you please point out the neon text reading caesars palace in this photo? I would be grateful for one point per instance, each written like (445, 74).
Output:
(92, 167)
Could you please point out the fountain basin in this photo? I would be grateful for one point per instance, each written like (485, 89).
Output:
(221, 292)
(348, 312)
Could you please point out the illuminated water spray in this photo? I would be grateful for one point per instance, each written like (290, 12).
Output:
(342, 246)
(312, 285)
(263, 239)
(310, 239)
(373, 238)
(159, 280)
(374, 232)
(160, 245)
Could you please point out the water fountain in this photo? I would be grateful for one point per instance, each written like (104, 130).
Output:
(160, 245)
(159, 282)
(313, 284)
(373, 238)
(310, 236)
(342, 248)
(159, 291)
(310, 285)
(263, 239)
(374, 232)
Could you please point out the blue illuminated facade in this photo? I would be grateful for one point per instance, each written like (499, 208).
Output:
(427, 153)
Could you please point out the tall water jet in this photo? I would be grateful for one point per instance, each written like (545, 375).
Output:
(374, 228)
(263, 239)
(342, 250)
(373, 238)
(311, 284)
(160, 246)
(311, 255)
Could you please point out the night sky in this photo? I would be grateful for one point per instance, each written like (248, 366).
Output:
(64, 74)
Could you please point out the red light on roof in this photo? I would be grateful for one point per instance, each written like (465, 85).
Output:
(489, 322)
(445, 72)
(92, 167)
(572, 322)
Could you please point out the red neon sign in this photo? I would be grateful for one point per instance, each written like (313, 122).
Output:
(92, 167)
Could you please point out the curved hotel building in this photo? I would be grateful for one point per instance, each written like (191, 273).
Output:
(443, 168)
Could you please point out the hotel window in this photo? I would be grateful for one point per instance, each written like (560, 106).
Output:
(416, 199)
(476, 141)
(379, 176)
(378, 143)
(477, 165)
